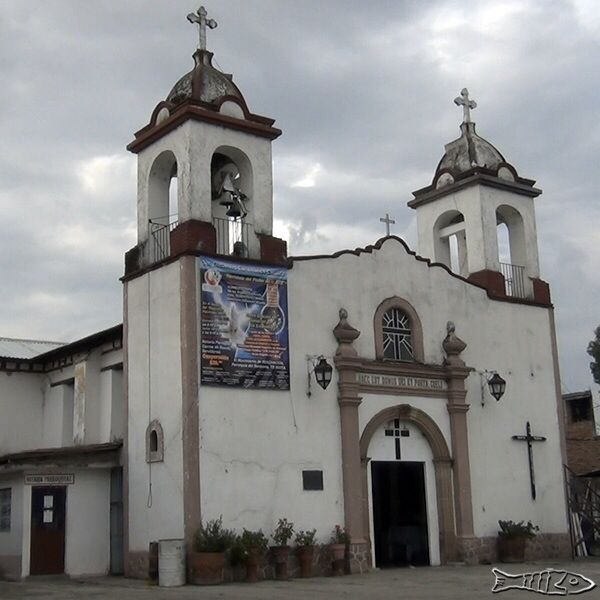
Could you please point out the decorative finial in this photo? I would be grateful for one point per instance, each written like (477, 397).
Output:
(200, 19)
(450, 327)
(343, 314)
(463, 100)
(453, 346)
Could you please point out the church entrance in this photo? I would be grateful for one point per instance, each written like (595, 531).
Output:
(399, 513)
(48, 530)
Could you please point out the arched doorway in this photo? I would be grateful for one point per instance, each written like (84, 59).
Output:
(407, 503)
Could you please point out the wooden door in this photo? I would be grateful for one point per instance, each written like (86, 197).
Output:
(47, 530)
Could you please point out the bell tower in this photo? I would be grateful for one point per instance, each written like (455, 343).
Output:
(478, 218)
(205, 179)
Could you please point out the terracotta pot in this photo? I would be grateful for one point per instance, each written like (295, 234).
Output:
(511, 550)
(252, 565)
(281, 554)
(207, 568)
(305, 558)
(338, 554)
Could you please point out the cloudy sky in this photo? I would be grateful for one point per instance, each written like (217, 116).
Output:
(363, 92)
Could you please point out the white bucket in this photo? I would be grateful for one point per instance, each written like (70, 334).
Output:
(171, 563)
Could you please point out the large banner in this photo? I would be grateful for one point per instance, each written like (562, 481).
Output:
(244, 325)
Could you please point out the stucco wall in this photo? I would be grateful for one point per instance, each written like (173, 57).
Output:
(254, 444)
(156, 489)
(21, 407)
(87, 543)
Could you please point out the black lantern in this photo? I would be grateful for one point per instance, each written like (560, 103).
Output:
(497, 386)
(323, 371)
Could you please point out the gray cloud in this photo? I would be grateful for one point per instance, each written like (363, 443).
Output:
(364, 95)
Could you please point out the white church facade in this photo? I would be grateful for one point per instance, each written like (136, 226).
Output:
(205, 402)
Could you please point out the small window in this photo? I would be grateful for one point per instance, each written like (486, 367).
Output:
(5, 502)
(397, 335)
(312, 480)
(581, 410)
(154, 442)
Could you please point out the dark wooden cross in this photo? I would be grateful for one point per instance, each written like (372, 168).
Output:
(397, 433)
(529, 439)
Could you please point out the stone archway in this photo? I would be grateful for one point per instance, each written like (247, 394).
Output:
(442, 465)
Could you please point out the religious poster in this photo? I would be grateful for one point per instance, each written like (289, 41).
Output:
(244, 327)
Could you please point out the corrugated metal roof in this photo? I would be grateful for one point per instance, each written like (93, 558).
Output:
(15, 348)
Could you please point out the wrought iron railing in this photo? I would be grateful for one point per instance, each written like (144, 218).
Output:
(232, 236)
(160, 236)
(514, 280)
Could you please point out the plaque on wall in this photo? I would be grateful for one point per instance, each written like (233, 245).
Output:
(244, 327)
(50, 479)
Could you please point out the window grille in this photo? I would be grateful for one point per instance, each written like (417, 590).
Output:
(397, 335)
(5, 501)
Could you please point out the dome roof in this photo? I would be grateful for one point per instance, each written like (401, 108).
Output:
(204, 83)
(468, 152)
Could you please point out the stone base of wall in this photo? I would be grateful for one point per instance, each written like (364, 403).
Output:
(484, 550)
(136, 565)
(10, 567)
(322, 566)
(359, 558)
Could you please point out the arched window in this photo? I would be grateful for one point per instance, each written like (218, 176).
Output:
(398, 331)
(154, 442)
(397, 335)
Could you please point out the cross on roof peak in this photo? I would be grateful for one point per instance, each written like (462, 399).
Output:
(463, 100)
(388, 221)
(199, 18)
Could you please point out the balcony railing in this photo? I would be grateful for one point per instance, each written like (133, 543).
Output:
(514, 280)
(232, 236)
(160, 236)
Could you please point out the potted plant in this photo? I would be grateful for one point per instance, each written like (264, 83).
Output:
(339, 541)
(207, 560)
(281, 536)
(512, 538)
(254, 545)
(305, 541)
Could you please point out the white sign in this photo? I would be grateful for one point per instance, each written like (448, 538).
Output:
(50, 479)
(401, 381)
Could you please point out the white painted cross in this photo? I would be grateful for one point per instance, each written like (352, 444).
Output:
(463, 100)
(200, 19)
(387, 222)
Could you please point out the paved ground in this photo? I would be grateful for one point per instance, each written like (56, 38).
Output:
(426, 583)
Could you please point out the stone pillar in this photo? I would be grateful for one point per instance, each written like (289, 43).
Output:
(347, 364)
(456, 373)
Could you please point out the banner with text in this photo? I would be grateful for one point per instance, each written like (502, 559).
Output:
(244, 325)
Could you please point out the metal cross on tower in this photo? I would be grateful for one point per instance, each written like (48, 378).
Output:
(387, 222)
(529, 439)
(397, 433)
(200, 19)
(463, 100)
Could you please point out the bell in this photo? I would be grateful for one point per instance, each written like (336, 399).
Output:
(234, 210)
(226, 199)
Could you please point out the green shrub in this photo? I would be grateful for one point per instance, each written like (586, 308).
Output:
(212, 537)
(512, 529)
(283, 532)
(306, 538)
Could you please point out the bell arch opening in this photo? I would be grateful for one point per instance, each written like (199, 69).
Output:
(512, 250)
(450, 242)
(163, 189)
(231, 199)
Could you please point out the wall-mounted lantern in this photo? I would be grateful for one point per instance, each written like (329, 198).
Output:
(496, 385)
(321, 368)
